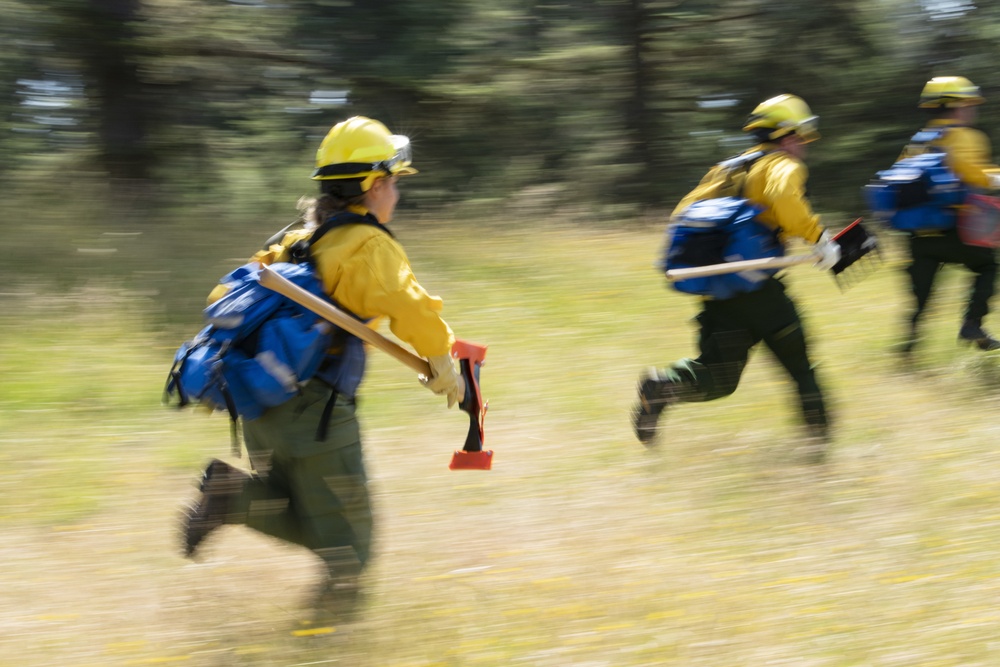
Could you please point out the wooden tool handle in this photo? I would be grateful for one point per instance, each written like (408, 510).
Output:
(274, 281)
(736, 267)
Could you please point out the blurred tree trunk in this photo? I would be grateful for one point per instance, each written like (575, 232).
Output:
(613, 102)
(123, 106)
(637, 113)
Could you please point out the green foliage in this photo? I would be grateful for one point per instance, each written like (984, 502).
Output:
(616, 105)
(77, 370)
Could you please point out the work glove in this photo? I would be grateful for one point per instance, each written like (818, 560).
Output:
(444, 379)
(827, 252)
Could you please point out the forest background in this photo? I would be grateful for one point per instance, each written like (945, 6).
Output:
(149, 146)
(608, 109)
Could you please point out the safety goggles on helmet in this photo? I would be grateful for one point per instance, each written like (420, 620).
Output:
(807, 129)
(403, 156)
(398, 164)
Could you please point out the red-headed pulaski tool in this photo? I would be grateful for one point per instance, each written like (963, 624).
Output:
(469, 355)
(472, 456)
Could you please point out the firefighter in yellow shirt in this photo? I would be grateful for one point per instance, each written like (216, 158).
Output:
(952, 102)
(729, 327)
(309, 484)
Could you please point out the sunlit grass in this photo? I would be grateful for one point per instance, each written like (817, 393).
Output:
(81, 371)
(719, 547)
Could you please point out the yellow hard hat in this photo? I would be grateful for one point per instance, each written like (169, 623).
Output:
(950, 92)
(783, 115)
(362, 148)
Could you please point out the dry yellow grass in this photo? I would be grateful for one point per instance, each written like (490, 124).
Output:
(718, 548)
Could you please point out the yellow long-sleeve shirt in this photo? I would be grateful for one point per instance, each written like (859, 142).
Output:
(367, 272)
(776, 181)
(968, 152)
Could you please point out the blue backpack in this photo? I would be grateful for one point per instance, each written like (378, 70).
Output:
(258, 347)
(718, 230)
(917, 193)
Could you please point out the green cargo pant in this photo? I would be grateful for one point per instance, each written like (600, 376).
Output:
(730, 328)
(306, 491)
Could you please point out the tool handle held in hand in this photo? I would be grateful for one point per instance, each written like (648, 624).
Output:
(273, 281)
(854, 240)
(742, 265)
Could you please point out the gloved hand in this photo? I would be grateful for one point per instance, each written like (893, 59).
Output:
(445, 379)
(827, 252)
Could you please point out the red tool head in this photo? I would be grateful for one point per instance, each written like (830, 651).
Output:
(472, 456)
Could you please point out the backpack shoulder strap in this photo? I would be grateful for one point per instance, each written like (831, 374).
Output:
(336, 220)
(346, 218)
(735, 170)
(299, 251)
(742, 161)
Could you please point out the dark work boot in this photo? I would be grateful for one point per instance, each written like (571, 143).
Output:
(909, 343)
(339, 597)
(817, 443)
(655, 393)
(974, 334)
(906, 347)
(221, 484)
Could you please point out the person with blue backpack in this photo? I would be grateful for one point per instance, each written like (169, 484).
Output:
(309, 484)
(761, 196)
(934, 240)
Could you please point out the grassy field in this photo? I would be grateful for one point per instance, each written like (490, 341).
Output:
(720, 547)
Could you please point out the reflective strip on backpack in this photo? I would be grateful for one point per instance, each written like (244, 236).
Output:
(276, 369)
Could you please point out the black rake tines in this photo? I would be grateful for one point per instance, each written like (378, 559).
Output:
(859, 255)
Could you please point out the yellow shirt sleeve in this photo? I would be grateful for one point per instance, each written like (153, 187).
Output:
(969, 156)
(368, 273)
(778, 181)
